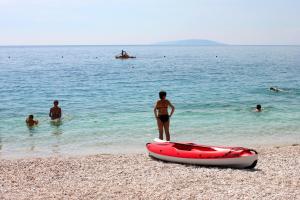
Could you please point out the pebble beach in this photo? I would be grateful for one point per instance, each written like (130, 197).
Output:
(137, 176)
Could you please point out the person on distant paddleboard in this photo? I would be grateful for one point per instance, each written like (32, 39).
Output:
(124, 54)
(30, 121)
(162, 116)
(55, 111)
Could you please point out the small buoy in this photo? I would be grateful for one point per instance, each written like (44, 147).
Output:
(62, 57)
(216, 56)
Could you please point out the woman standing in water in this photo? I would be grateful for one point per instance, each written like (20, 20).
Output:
(162, 116)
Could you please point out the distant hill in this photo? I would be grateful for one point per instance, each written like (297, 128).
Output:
(191, 42)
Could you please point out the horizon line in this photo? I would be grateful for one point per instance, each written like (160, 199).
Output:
(57, 45)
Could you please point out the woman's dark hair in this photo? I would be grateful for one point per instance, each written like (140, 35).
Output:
(258, 106)
(162, 94)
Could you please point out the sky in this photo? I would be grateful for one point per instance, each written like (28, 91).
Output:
(105, 22)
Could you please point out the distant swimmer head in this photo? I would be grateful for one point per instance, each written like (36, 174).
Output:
(162, 94)
(55, 102)
(258, 107)
(30, 117)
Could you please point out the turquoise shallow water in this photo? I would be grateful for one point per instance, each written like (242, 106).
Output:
(107, 103)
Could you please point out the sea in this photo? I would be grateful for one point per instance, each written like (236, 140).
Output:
(107, 103)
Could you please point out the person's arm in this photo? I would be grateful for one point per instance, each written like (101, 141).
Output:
(59, 113)
(155, 110)
(172, 108)
(50, 113)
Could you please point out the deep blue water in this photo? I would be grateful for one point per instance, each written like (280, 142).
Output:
(108, 103)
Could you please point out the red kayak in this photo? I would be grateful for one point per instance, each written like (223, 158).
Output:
(190, 153)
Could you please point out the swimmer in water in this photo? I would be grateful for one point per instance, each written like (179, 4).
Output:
(276, 89)
(162, 116)
(55, 111)
(30, 121)
(258, 108)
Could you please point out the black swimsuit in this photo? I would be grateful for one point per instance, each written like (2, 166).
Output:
(164, 118)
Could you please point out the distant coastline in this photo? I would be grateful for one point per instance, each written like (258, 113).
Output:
(122, 45)
(191, 42)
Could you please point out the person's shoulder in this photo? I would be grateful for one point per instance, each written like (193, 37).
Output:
(167, 100)
(158, 103)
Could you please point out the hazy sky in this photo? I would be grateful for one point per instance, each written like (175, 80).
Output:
(141, 22)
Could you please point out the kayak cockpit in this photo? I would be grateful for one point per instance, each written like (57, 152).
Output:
(191, 147)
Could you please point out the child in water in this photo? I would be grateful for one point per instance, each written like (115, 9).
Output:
(30, 121)
(162, 116)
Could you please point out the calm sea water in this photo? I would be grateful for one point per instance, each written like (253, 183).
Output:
(108, 103)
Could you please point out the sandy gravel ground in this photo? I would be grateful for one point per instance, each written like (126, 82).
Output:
(277, 176)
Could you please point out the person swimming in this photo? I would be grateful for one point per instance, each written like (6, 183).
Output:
(258, 108)
(276, 89)
(30, 121)
(55, 111)
(162, 116)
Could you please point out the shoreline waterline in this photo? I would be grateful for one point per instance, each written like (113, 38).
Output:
(121, 150)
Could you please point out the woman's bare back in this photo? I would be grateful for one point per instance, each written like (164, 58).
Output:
(162, 106)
